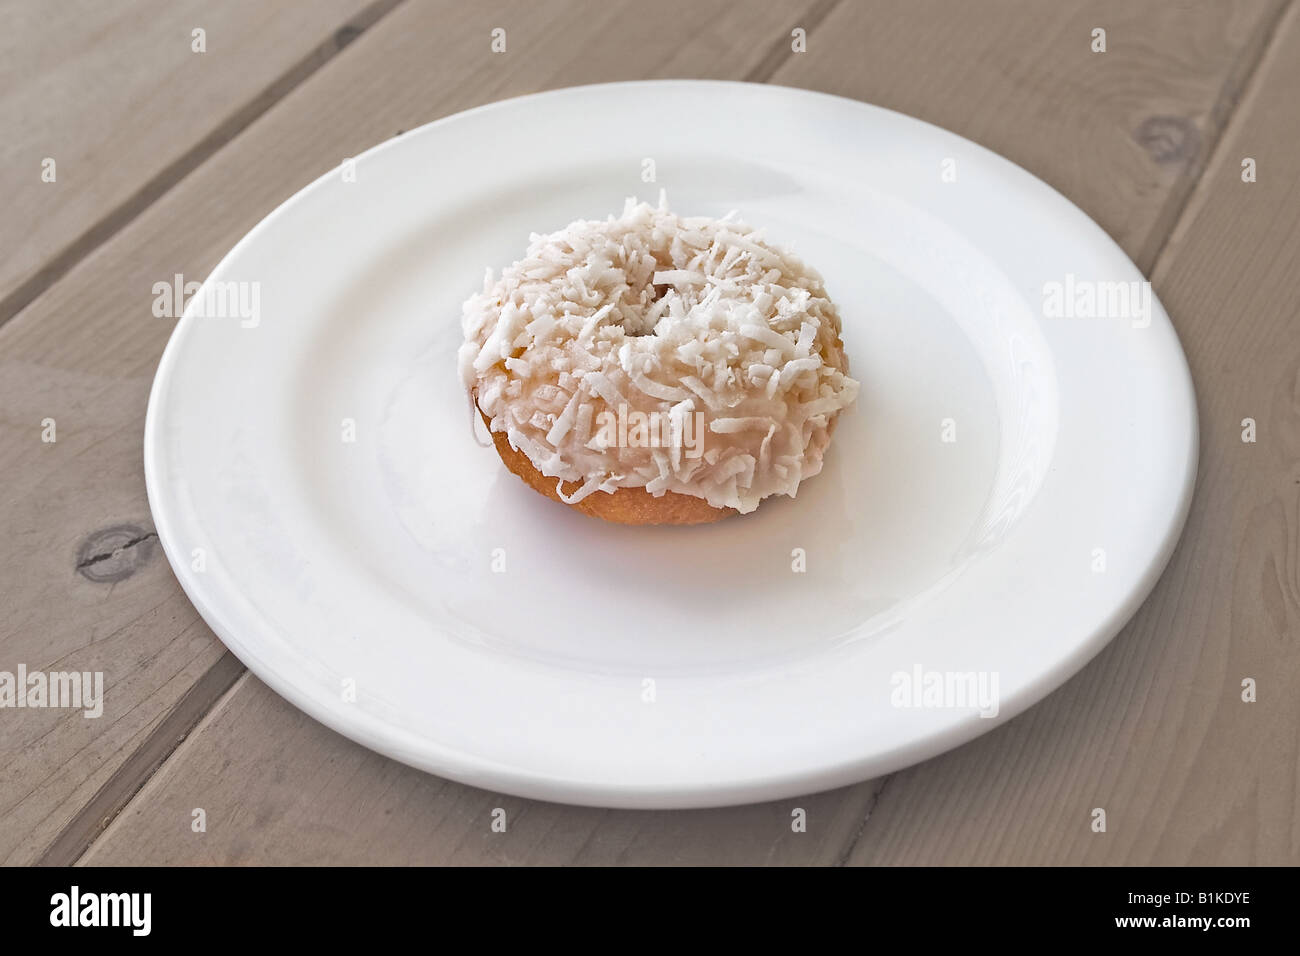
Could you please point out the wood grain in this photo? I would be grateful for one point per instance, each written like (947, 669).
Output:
(278, 787)
(84, 353)
(115, 95)
(1155, 730)
(1124, 134)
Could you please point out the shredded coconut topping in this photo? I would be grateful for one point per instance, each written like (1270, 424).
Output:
(728, 347)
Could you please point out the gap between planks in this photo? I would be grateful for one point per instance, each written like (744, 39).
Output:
(137, 770)
(122, 215)
(1181, 208)
(1194, 196)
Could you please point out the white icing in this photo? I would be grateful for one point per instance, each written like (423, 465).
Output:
(576, 335)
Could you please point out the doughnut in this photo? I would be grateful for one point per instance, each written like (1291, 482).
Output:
(657, 369)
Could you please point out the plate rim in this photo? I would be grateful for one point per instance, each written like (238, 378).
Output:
(477, 770)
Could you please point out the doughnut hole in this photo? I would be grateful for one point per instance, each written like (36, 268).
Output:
(643, 299)
(651, 294)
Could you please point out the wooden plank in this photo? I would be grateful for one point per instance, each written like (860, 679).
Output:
(275, 786)
(115, 95)
(1124, 134)
(1155, 730)
(84, 353)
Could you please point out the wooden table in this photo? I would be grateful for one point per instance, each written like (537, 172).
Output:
(164, 156)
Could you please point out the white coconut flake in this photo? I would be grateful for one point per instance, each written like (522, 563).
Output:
(679, 276)
(730, 426)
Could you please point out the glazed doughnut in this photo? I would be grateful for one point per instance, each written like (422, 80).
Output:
(655, 369)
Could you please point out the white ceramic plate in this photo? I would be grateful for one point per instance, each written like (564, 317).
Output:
(672, 667)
